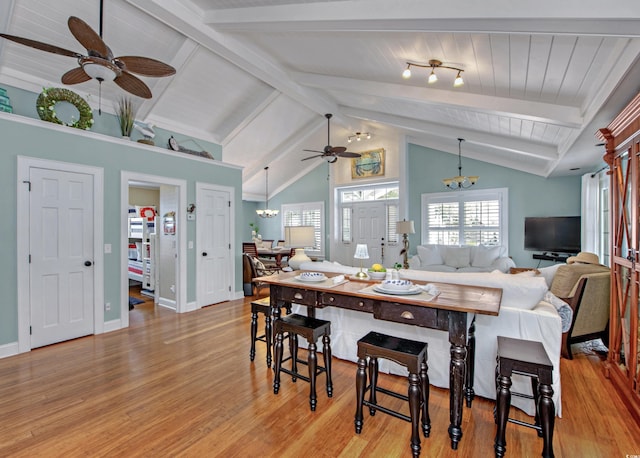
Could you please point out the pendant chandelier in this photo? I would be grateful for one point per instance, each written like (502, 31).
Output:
(460, 181)
(267, 213)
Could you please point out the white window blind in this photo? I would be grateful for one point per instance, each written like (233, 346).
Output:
(465, 217)
(392, 219)
(346, 225)
(306, 214)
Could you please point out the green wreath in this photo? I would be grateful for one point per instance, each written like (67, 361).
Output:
(46, 106)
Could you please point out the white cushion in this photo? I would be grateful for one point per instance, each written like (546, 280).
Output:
(429, 255)
(517, 291)
(548, 273)
(483, 256)
(457, 256)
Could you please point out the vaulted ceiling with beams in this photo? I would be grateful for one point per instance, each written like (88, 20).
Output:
(257, 76)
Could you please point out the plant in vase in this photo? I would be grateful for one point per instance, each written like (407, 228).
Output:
(254, 231)
(126, 114)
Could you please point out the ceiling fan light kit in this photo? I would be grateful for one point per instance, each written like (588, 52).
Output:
(433, 77)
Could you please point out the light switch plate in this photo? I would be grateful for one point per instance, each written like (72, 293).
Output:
(107, 248)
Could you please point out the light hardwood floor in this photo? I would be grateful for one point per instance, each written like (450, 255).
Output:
(183, 385)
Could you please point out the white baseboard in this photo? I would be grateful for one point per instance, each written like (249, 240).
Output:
(112, 325)
(168, 303)
(10, 349)
(191, 306)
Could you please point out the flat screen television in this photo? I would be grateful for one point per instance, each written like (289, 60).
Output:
(552, 234)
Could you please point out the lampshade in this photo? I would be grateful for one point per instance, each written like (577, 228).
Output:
(299, 236)
(405, 227)
(362, 251)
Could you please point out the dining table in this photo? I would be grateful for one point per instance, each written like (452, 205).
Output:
(277, 253)
(446, 310)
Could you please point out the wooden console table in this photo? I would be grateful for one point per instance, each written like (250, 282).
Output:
(447, 312)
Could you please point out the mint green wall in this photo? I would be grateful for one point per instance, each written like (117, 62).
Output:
(529, 195)
(19, 138)
(313, 187)
(24, 104)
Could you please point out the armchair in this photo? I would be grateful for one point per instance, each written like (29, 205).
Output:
(590, 304)
(252, 268)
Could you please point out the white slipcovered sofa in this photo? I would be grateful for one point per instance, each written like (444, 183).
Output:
(523, 315)
(449, 258)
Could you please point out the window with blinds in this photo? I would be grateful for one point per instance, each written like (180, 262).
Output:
(306, 214)
(465, 218)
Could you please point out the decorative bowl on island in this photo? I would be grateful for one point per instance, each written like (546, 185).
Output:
(376, 275)
(397, 285)
(312, 276)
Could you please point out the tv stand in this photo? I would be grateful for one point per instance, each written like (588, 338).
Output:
(555, 257)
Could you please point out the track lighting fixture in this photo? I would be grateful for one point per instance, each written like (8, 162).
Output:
(433, 77)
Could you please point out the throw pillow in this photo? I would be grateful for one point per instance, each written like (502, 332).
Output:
(429, 255)
(548, 273)
(457, 256)
(485, 255)
(261, 269)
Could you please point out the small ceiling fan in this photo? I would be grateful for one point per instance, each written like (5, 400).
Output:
(332, 152)
(99, 63)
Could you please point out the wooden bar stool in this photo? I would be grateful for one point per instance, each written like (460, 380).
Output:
(262, 306)
(311, 329)
(411, 354)
(528, 358)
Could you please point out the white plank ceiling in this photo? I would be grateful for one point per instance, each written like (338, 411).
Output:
(257, 76)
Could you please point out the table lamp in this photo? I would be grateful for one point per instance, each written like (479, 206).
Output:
(405, 227)
(361, 253)
(299, 237)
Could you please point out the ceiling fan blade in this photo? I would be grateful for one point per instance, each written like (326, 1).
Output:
(313, 151)
(89, 38)
(146, 66)
(348, 154)
(134, 85)
(337, 149)
(75, 76)
(41, 46)
(312, 157)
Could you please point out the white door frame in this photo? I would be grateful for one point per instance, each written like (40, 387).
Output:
(200, 186)
(23, 223)
(181, 234)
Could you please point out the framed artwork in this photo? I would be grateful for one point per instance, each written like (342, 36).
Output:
(369, 164)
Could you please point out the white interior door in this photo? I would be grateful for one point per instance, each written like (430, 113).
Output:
(213, 246)
(368, 228)
(61, 246)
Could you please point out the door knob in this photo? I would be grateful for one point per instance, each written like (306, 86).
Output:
(87, 263)
(204, 253)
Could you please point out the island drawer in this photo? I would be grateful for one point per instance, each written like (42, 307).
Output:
(346, 302)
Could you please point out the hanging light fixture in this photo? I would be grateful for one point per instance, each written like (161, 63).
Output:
(460, 181)
(267, 213)
(359, 136)
(433, 64)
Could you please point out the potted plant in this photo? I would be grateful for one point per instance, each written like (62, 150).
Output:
(126, 114)
(254, 230)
